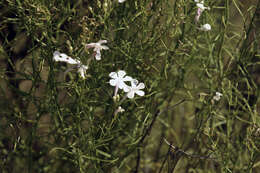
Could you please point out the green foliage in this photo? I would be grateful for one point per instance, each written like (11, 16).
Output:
(52, 121)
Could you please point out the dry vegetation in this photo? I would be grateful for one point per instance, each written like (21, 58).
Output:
(56, 122)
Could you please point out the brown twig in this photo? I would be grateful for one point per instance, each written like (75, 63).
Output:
(188, 154)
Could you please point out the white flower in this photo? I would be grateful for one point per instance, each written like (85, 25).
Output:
(217, 96)
(97, 48)
(202, 7)
(62, 57)
(121, 1)
(120, 109)
(135, 89)
(82, 70)
(118, 80)
(205, 27)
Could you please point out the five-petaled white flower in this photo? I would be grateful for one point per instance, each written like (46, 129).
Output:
(135, 89)
(121, 1)
(205, 27)
(217, 96)
(118, 80)
(62, 57)
(97, 48)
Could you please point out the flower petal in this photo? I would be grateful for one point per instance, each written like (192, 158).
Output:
(57, 56)
(134, 83)
(104, 47)
(127, 78)
(82, 72)
(113, 82)
(84, 67)
(98, 56)
(122, 85)
(102, 41)
(90, 45)
(219, 94)
(205, 27)
(141, 86)
(201, 6)
(126, 88)
(113, 75)
(121, 73)
(131, 94)
(56, 53)
(72, 61)
(139, 92)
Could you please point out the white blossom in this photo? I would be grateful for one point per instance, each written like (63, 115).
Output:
(62, 57)
(135, 89)
(97, 48)
(121, 1)
(118, 80)
(82, 70)
(200, 9)
(217, 96)
(120, 109)
(205, 27)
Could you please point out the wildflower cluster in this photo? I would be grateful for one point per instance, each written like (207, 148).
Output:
(118, 78)
(62, 57)
(200, 9)
(118, 81)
